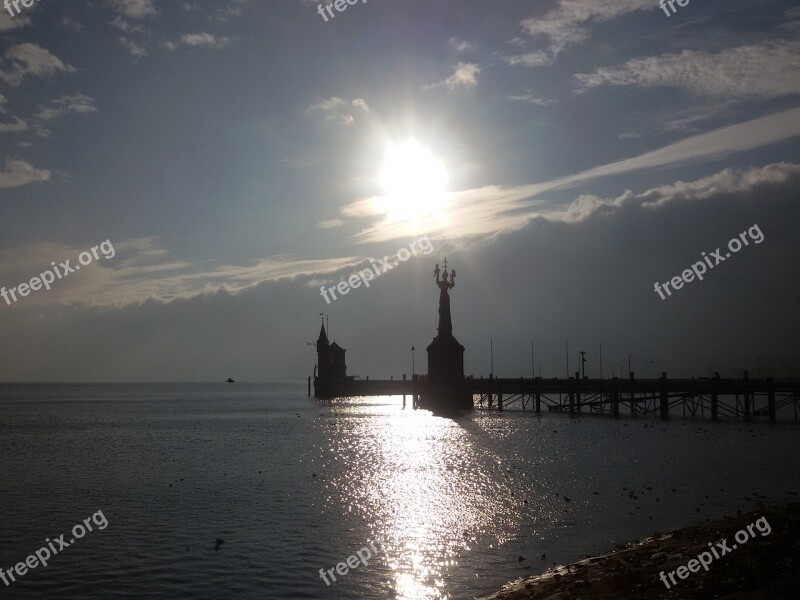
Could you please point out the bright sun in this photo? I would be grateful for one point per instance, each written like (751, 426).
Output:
(414, 182)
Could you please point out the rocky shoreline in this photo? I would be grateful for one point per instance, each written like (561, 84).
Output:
(765, 567)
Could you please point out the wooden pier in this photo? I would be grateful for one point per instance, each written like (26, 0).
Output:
(713, 398)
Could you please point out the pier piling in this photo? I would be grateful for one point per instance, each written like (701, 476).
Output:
(746, 396)
(632, 398)
(771, 399)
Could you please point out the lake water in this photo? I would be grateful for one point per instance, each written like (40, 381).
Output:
(294, 485)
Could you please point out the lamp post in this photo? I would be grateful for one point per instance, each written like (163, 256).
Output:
(533, 374)
(583, 362)
(540, 370)
(629, 365)
(412, 362)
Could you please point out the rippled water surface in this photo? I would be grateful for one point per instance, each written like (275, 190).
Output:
(294, 485)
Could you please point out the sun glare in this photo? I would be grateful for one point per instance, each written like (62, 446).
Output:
(414, 182)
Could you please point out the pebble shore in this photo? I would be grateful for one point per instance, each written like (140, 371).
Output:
(767, 567)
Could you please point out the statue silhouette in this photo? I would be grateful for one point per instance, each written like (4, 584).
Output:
(445, 322)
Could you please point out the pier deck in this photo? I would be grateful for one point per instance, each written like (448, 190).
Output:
(713, 397)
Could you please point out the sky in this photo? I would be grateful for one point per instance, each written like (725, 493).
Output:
(237, 155)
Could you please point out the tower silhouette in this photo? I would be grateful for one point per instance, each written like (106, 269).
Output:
(331, 367)
(445, 389)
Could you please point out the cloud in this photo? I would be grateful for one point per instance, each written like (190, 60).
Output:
(15, 127)
(568, 23)
(200, 40)
(330, 223)
(767, 70)
(132, 47)
(72, 24)
(135, 9)
(621, 254)
(713, 145)
(362, 104)
(461, 45)
(529, 98)
(141, 270)
(18, 173)
(337, 110)
(328, 105)
(221, 11)
(8, 23)
(493, 208)
(680, 120)
(58, 107)
(127, 26)
(76, 103)
(729, 182)
(30, 59)
(530, 59)
(464, 75)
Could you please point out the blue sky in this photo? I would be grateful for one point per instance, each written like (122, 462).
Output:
(231, 151)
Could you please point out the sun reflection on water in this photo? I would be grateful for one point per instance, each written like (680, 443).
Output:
(424, 487)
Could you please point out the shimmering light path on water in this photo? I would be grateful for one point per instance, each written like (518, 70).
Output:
(294, 485)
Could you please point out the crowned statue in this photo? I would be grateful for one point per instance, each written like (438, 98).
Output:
(445, 282)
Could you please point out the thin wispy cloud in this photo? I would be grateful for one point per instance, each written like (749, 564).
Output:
(30, 60)
(530, 98)
(765, 70)
(493, 208)
(465, 75)
(17, 173)
(339, 111)
(141, 270)
(570, 23)
(9, 23)
(200, 40)
(135, 9)
(726, 182)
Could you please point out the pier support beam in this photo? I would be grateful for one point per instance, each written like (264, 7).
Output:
(664, 392)
(571, 396)
(578, 390)
(500, 401)
(746, 396)
(771, 399)
(632, 397)
(715, 399)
